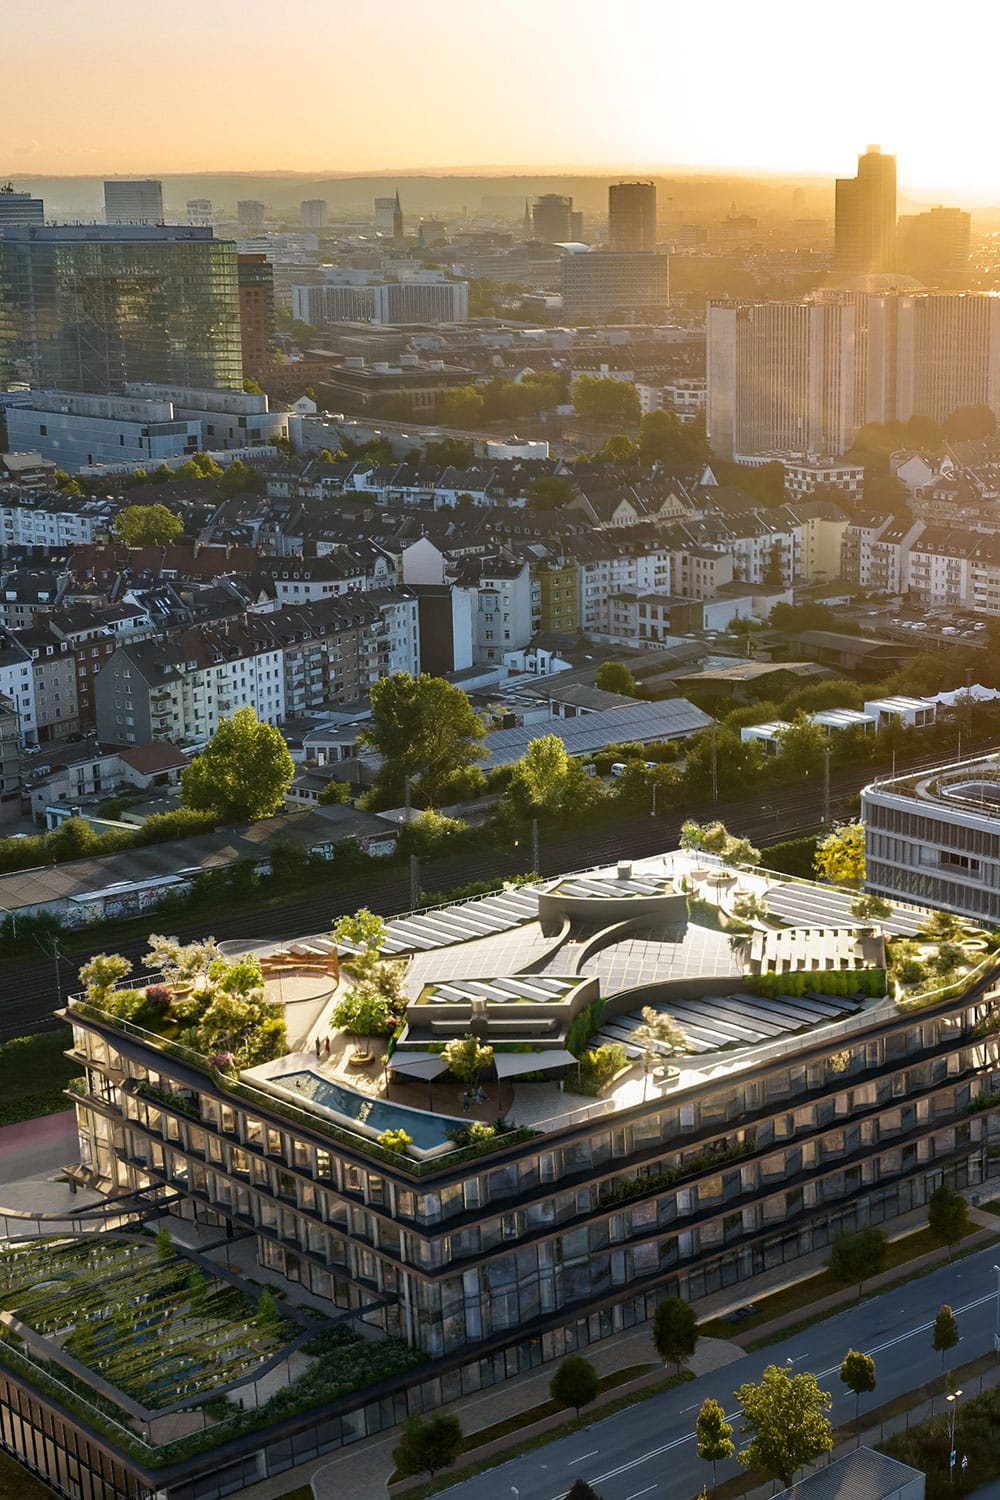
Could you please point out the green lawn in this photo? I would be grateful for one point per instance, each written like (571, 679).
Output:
(17, 1484)
(33, 1073)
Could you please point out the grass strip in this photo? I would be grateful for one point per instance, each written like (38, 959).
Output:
(33, 1073)
(17, 1484)
(445, 1480)
(812, 1289)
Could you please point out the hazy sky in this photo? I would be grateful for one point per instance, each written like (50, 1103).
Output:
(341, 85)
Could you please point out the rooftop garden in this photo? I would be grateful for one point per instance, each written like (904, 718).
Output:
(142, 1342)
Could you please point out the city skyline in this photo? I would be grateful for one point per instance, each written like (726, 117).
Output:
(769, 77)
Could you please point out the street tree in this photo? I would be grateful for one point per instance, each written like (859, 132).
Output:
(243, 773)
(945, 1335)
(461, 407)
(675, 1331)
(785, 1418)
(428, 1444)
(800, 751)
(467, 1057)
(548, 782)
(619, 449)
(146, 525)
(424, 728)
(858, 1373)
(601, 399)
(575, 1383)
(615, 677)
(856, 1256)
(840, 857)
(714, 1435)
(947, 1217)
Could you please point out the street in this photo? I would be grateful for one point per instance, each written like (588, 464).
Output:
(649, 1449)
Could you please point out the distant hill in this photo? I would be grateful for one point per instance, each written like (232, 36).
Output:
(445, 193)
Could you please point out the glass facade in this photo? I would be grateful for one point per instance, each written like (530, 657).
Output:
(89, 309)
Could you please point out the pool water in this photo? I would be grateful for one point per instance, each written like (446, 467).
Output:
(428, 1132)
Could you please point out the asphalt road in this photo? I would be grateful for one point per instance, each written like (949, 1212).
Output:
(649, 1449)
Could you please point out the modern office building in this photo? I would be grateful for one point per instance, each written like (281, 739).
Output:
(314, 213)
(632, 216)
(87, 308)
(934, 245)
(251, 214)
(133, 201)
(935, 838)
(229, 419)
(805, 1102)
(389, 217)
(612, 285)
(355, 297)
(552, 219)
(200, 213)
(19, 208)
(781, 375)
(79, 431)
(255, 280)
(947, 353)
(865, 227)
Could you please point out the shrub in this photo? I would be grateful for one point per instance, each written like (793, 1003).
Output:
(395, 1140)
(601, 1064)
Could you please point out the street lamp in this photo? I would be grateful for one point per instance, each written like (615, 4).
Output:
(952, 1399)
(655, 790)
(996, 1332)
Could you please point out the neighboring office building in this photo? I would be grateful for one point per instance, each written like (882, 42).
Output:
(865, 228)
(601, 285)
(314, 213)
(87, 307)
(934, 244)
(389, 217)
(552, 219)
(632, 216)
(353, 297)
(251, 214)
(133, 201)
(200, 213)
(255, 280)
(228, 419)
(79, 431)
(358, 387)
(936, 840)
(19, 208)
(781, 375)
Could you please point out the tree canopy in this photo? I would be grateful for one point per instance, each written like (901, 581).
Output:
(714, 1434)
(856, 1256)
(427, 1444)
(467, 1057)
(664, 438)
(675, 1330)
(858, 1373)
(785, 1418)
(616, 677)
(575, 1383)
(840, 857)
(945, 1335)
(947, 1216)
(551, 491)
(548, 782)
(601, 399)
(243, 773)
(145, 525)
(422, 727)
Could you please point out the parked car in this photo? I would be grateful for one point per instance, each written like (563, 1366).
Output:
(618, 769)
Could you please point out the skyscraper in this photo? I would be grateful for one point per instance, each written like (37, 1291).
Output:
(251, 213)
(865, 230)
(88, 307)
(932, 246)
(314, 213)
(199, 212)
(133, 201)
(632, 216)
(552, 219)
(255, 276)
(781, 376)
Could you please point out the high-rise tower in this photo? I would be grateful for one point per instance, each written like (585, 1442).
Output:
(632, 216)
(865, 235)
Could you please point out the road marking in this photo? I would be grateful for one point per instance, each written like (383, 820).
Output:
(580, 1460)
(730, 1416)
(648, 1491)
(686, 1409)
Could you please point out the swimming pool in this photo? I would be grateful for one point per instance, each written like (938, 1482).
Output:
(428, 1132)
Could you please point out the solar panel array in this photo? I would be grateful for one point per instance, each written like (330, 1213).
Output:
(530, 989)
(602, 888)
(740, 1020)
(811, 906)
(588, 733)
(649, 960)
(449, 924)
